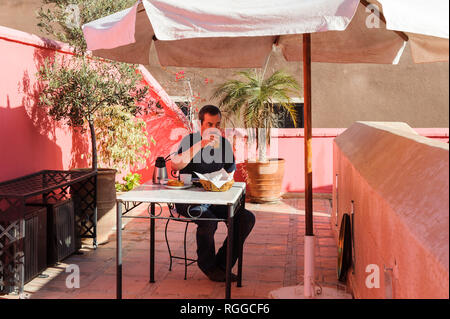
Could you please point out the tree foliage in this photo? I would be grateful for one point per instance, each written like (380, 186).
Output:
(130, 181)
(85, 90)
(122, 140)
(62, 19)
(78, 89)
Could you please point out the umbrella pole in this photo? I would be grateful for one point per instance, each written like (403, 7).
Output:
(308, 277)
(309, 290)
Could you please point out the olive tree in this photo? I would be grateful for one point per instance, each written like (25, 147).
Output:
(81, 91)
(85, 91)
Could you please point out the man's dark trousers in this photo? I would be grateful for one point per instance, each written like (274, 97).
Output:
(207, 260)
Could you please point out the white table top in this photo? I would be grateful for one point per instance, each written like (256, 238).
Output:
(194, 195)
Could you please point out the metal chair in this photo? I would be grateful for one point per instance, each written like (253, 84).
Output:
(179, 218)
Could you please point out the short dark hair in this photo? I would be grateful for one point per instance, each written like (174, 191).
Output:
(210, 109)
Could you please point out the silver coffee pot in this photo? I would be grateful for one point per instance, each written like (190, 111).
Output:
(160, 171)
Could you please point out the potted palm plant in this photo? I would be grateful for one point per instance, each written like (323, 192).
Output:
(255, 97)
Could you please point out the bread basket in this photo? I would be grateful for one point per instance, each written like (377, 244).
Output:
(210, 187)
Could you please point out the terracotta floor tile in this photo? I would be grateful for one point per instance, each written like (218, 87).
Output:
(95, 294)
(102, 283)
(48, 294)
(273, 257)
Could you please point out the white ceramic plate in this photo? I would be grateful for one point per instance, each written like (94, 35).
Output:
(178, 187)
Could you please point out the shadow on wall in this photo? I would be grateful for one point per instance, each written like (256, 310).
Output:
(80, 150)
(23, 149)
(31, 139)
(30, 89)
(80, 146)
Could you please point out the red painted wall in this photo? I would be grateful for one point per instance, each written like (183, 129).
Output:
(167, 128)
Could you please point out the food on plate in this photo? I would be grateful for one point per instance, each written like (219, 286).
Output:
(173, 182)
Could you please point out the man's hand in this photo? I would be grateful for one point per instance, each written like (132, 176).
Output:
(214, 140)
(211, 138)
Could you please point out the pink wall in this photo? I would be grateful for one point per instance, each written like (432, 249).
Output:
(29, 139)
(399, 183)
(289, 144)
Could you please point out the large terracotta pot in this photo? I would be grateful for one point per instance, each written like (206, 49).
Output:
(106, 204)
(264, 180)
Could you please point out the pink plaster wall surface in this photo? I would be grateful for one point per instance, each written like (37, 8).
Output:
(289, 144)
(29, 140)
(399, 182)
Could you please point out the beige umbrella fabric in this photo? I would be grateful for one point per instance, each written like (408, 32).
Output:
(128, 35)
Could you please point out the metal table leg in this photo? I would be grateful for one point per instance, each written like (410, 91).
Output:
(22, 259)
(119, 250)
(241, 247)
(229, 252)
(239, 274)
(152, 242)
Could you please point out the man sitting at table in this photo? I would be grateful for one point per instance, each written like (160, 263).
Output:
(205, 152)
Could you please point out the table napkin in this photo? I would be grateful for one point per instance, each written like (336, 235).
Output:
(218, 178)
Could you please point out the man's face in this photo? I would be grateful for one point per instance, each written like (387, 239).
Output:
(210, 123)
